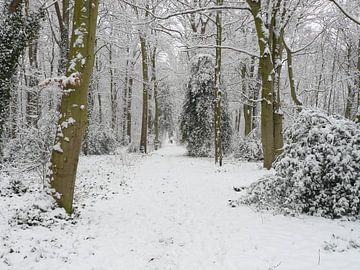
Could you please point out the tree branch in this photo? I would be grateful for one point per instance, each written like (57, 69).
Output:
(345, 12)
(222, 47)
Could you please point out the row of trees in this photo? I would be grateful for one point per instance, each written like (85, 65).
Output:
(141, 58)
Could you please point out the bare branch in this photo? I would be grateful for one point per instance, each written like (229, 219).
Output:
(222, 47)
(345, 12)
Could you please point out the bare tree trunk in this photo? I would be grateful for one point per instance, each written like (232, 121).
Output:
(294, 97)
(73, 111)
(98, 95)
(357, 116)
(64, 25)
(125, 98)
(320, 78)
(247, 108)
(267, 93)
(350, 99)
(145, 72)
(333, 73)
(217, 90)
(156, 100)
(129, 102)
(32, 106)
(237, 120)
(113, 94)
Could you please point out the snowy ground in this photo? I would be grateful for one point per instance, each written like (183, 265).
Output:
(169, 211)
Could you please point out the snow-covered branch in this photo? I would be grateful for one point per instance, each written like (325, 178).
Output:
(222, 47)
(185, 12)
(63, 82)
(345, 12)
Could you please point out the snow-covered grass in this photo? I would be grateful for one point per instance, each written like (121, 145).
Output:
(169, 211)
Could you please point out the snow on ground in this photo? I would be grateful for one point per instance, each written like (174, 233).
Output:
(169, 211)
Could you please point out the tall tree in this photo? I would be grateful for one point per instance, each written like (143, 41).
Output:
(217, 89)
(73, 111)
(145, 77)
(270, 18)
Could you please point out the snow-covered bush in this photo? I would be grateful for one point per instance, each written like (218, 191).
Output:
(318, 172)
(197, 117)
(247, 148)
(31, 148)
(100, 140)
(42, 211)
(30, 201)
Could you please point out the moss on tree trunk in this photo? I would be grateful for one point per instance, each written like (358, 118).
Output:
(73, 111)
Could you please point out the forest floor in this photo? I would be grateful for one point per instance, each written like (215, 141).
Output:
(167, 211)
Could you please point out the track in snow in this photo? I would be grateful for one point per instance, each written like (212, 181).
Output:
(174, 214)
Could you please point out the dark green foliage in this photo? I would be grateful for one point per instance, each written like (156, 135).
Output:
(197, 117)
(16, 31)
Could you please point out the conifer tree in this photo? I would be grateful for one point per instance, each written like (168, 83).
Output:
(197, 118)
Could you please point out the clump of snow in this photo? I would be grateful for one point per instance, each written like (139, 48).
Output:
(73, 79)
(57, 148)
(318, 172)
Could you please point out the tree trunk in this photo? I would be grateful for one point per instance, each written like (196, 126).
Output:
(294, 97)
(129, 101)
(350, 99)
(328, 104)
(246, 107)
(156, 101)
(237, 120)
(32, 99)
(217, 90)
(267, 93)
(125, 98)
(357, 116)
(64, 26)
(113, 94)
(73, 111)
(144, 126)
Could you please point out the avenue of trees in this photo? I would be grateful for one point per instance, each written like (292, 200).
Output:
(88, 76)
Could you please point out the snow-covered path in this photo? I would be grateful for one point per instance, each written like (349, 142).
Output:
(173, 213)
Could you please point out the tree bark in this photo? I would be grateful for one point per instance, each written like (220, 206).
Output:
(217, 90)
(145, 73)
(73, 111)
(294, 97)
(267, 93)
(246, 107)
(351, 85)
(113, 94)
(156, 100)
(64, 26)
